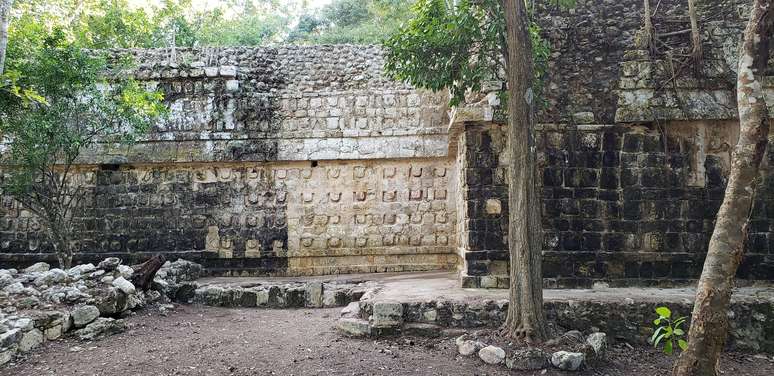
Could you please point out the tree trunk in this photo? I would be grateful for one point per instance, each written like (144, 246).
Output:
(650, 32)
(5, 19)
(696, 51)
(526, 319)
(144, 273)
(709, 324)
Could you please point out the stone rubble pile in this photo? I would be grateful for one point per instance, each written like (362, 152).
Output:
(42, 303)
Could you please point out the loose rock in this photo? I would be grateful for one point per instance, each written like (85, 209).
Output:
(492, 355)
(37, 267)
(103, 326)
(527, 360)
(598, 342)
(568, 361)
(84, 315)
(468, 347)
(122, 284)
(109, 264)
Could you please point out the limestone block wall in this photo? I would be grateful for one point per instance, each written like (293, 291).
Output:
(278, 160)
(256, 218)
(624, 205)
(280, 103)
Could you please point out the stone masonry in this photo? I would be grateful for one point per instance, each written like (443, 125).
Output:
(306, 160)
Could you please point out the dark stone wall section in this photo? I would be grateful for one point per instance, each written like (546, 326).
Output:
(171, 211)
(619, 206)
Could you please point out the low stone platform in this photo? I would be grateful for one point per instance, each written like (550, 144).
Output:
(430, 303)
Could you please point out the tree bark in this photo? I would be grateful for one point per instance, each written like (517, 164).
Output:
(650, 32)
(526, 319)
(5, 19)
(696, 51)
(709, 324)
(144, 273)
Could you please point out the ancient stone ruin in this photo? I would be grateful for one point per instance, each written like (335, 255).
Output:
(309, 160)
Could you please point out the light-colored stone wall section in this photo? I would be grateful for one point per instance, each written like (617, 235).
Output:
(284, 103)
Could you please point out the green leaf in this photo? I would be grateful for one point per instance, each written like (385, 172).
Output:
(679, 332)
(655, 334)
(659, 338)
(664, 312)
(657, 321)
(682, 343)
(668, 348)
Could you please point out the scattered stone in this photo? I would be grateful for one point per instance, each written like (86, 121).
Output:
(7, 355)
(122, 284)
(353, 326)
(103, 326)
(125, 271)
(37, 267)
(28, 302)
(109, 264)
(51, 277)
(598, 342)
(19, 289)
(492, 354)
(81, 269)
(54, 332)
(30, 340)
(22, 323)
(10, 338)
(572, 337)
(568, 361)
(352, 310)
(84, 315)
(5, 279)
(468, 347)
(529, 359)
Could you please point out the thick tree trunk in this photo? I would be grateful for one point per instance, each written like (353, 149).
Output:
(5, 19)
(696, 51)
(709, 324)
(144, 273)
(526, 319)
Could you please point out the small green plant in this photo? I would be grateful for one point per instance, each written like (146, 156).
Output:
(668, 331)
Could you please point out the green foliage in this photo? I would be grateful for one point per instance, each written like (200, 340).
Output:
(12, 92)
(104, 23)
(252, 28)
(352, 21)
(668, 331)
(458, 48)
(72, 108)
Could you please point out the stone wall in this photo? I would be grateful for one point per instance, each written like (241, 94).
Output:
(280, 219)
(624, 205)
(292, 103)
(297, 160)
(283, 161)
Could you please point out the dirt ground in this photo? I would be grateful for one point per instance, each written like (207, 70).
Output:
(217, 341)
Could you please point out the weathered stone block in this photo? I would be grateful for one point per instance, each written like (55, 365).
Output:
(387, 314)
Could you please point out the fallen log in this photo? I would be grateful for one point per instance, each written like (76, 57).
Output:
(144, 273)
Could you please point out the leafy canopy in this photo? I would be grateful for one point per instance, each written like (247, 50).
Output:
(457, 47)
(77, 108)
(352, 21)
